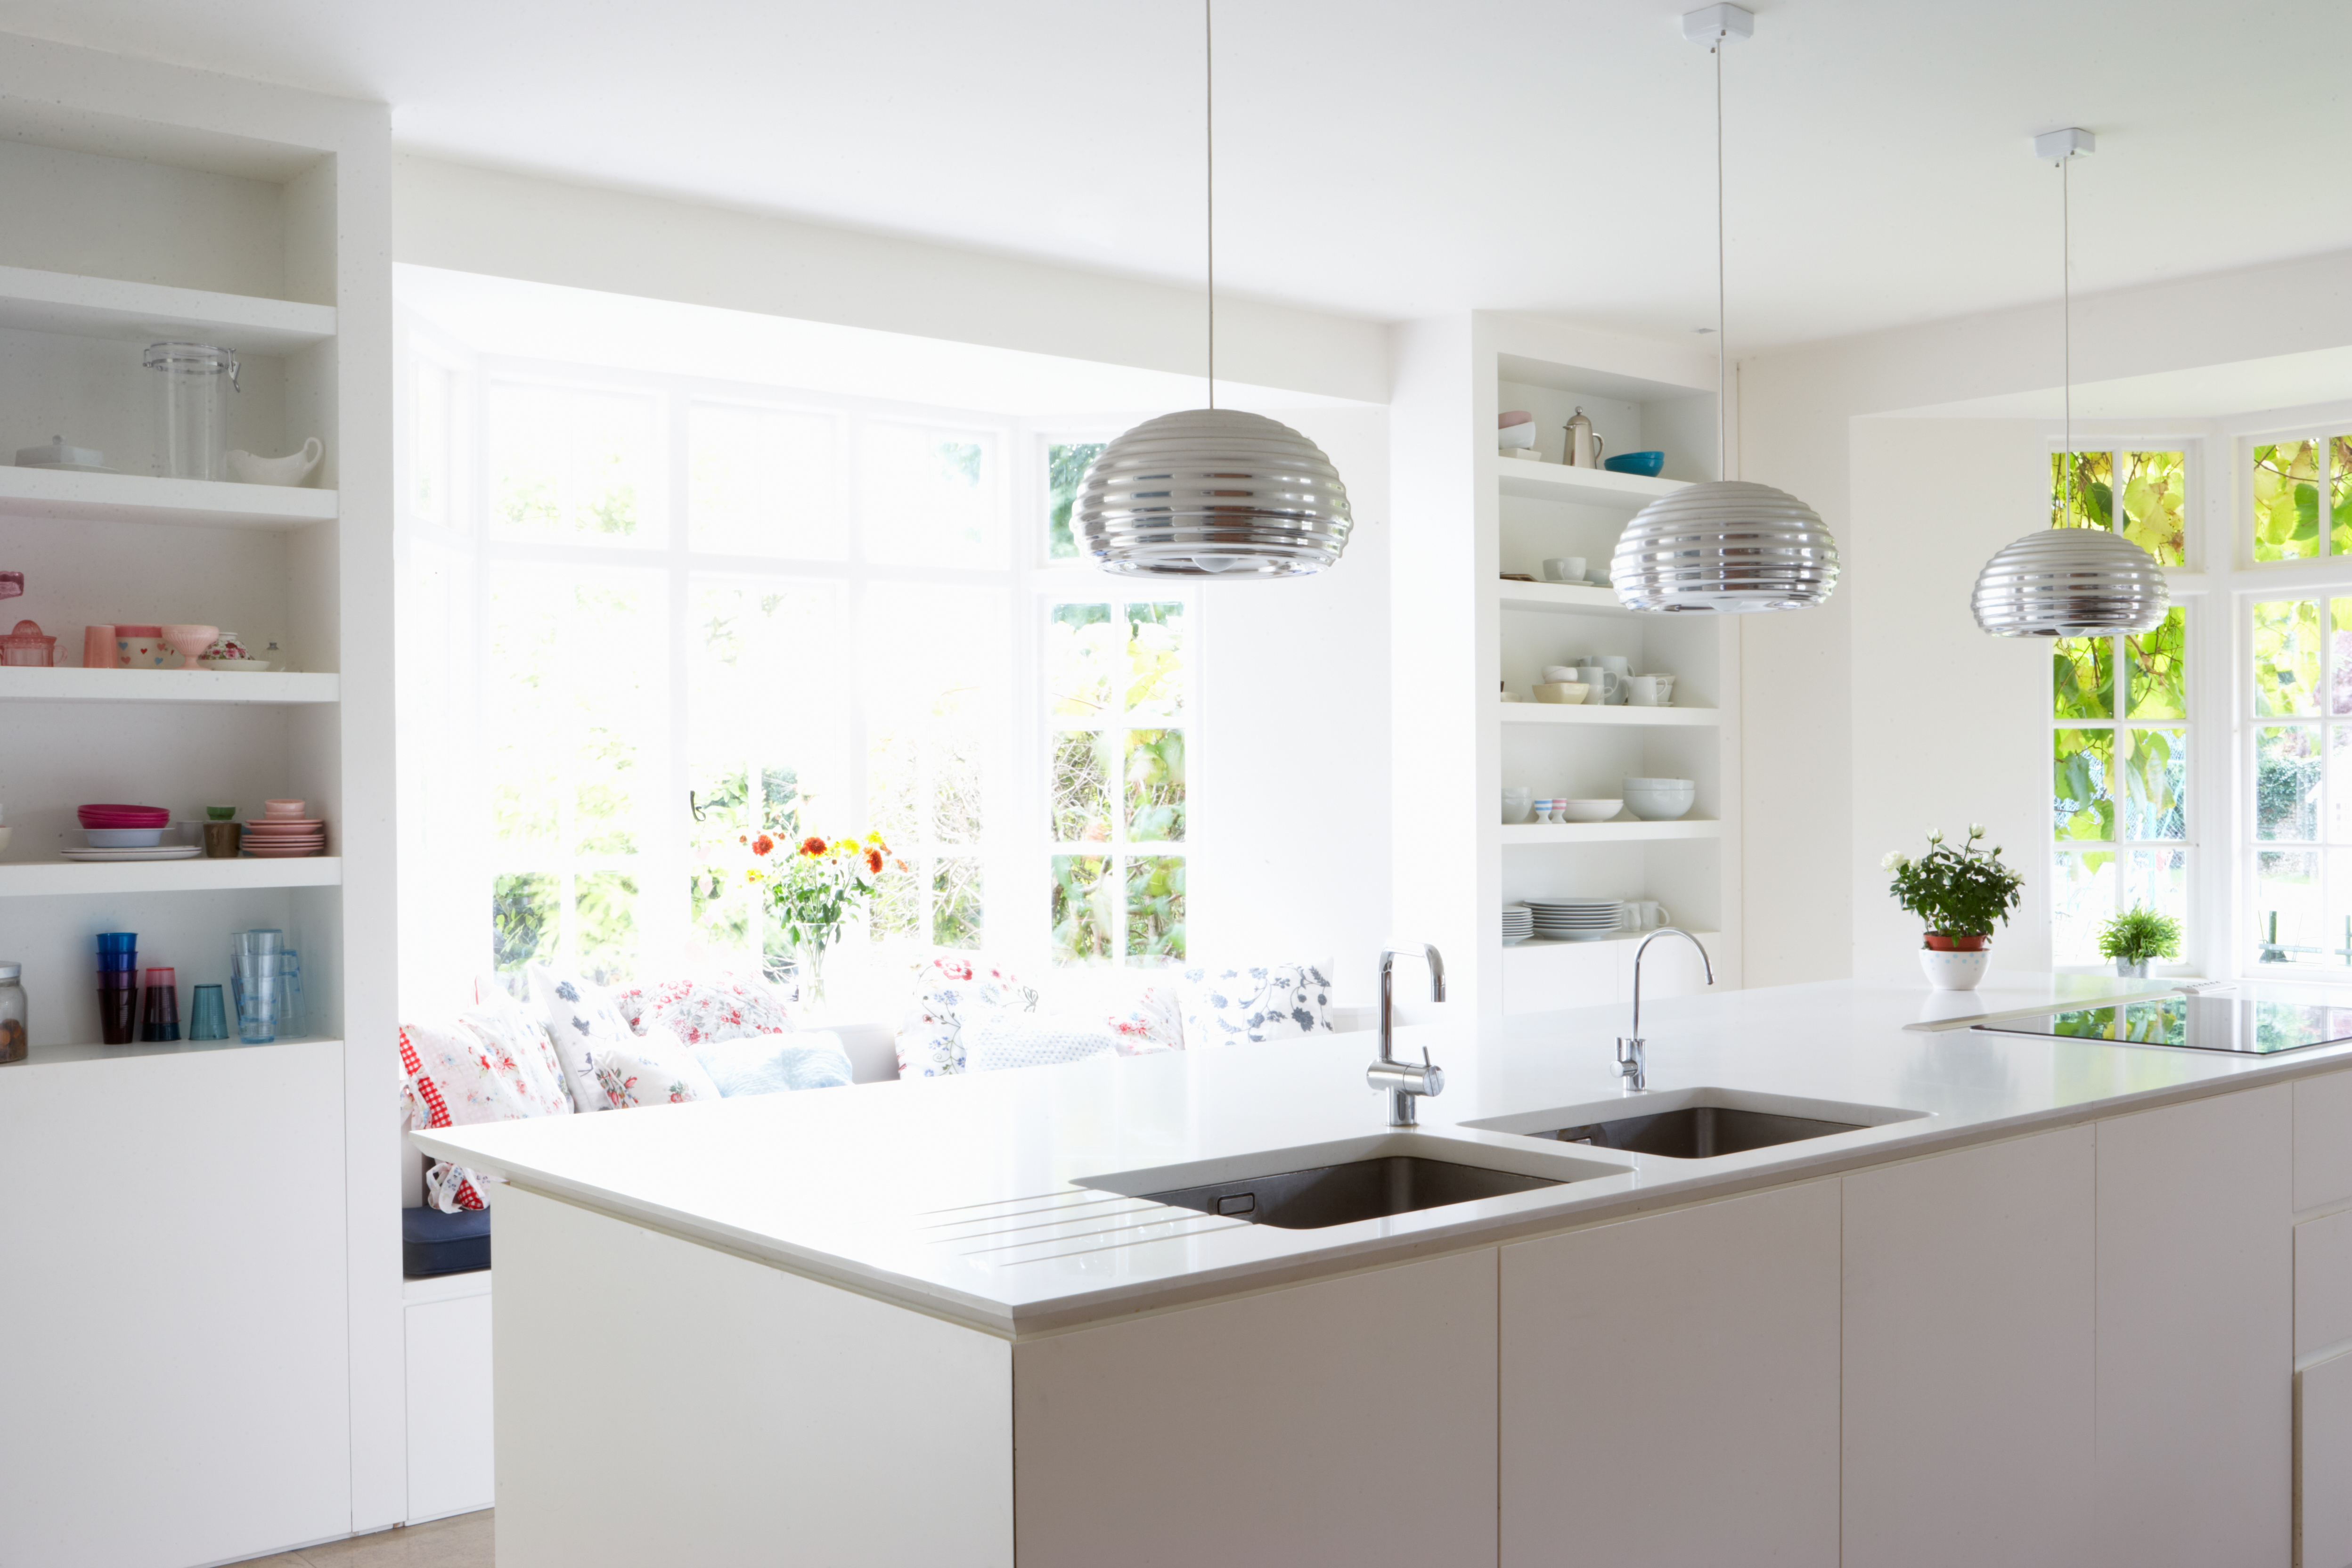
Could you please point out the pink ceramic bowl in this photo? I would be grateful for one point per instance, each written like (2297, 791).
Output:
(290, 809)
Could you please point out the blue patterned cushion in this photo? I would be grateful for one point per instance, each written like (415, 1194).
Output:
(1266, 1002)
(775, 1064)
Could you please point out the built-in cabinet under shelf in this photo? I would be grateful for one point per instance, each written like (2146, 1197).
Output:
(76, 685)
(141, 498)
(48, 878)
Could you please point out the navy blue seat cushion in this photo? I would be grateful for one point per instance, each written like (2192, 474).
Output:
(434, 1243)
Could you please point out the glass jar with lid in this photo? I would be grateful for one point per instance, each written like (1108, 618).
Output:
(194, 380)
(16, 1043)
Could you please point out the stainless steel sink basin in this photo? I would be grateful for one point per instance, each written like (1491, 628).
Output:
(1699, 1132)
(1695, 1123)
(1336, 1195)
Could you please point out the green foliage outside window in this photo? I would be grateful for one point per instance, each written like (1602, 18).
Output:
(2094, 503)
(1155, 907)
(2158, 661)
(1155, 785)
(524, 923)
(1083, 915)
(2081, 787)
(2289, 653)
(2155, 504)
(2287, 500)
(2083, 680)
(1065, 471)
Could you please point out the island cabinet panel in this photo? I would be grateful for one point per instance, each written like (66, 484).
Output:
(2195, 1339)
(2323, 1283)
(2322, 1141)
(1348, 1420)
(663, 1401)
(1967, 1395)
(1670, 1388)
(2323, 1464)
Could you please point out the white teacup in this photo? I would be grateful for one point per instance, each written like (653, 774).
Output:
(1665, 689)
(1641, 691)
(1564, 569)
(1608, 685)
(1516, 804)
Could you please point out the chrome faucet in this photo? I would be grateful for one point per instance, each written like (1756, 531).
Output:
(1403, 1080)
(1632, 1062)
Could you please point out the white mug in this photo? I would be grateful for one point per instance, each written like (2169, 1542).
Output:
(1641, 691)
(1564, 569)
(1648, 914)
(1517, 805)
(1665, 690)
(1608, 685)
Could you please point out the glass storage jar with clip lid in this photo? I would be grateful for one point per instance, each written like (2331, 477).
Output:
(192, 408)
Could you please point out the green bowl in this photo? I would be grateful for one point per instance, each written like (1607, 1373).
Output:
(221, 813)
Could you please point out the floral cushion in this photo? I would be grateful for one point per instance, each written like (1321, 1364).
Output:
(995, 1041)
(493, 1063)
(612, 1066)
(1141, 1006)
(705, 1010)
(948, 990)
(1267, 1001)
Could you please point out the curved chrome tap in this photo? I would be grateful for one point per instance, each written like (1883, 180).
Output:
(1403, 1080)
(1631, 1060)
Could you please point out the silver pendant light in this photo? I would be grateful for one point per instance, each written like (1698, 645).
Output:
(1724, 545)
(2069, 582)
(1213, 493)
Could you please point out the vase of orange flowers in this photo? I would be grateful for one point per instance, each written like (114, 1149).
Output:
(813, 887)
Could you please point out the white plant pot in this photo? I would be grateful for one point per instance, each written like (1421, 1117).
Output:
(1954, 971)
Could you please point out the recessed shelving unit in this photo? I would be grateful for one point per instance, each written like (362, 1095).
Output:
(1466, 636)
(141, 498)
(91, 1051)
(166, 686)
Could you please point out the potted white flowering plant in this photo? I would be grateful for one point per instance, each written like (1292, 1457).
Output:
(1959, 895)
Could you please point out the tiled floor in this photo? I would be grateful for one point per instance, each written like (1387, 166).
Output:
(460, 1542)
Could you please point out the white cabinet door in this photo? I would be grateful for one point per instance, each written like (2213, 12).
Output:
(1545, 976)
(2323, 1283)
(2323, 1468)
(2196, 1332)
(174, 1369)
(1967, 1392)
(1349, 1420)
(1670, 1388)
(449, 1431)
(2322, 1141)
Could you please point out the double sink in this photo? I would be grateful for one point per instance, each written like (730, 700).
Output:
(1379, 1183)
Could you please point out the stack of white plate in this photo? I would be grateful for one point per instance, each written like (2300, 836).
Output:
(1519, 922)
(1577, 920)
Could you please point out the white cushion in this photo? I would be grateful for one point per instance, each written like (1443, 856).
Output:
(703, 1010)
(1226, 1006)
(997, 1040)
(611, 1067)
(948, 989)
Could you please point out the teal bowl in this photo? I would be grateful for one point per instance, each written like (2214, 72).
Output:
(1644, 463)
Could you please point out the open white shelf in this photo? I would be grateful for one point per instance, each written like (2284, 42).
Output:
(139, 498)
(1560, 598)
(1619, 936)
(1630, 831)
(166, 686)
(90, 1051)
(37, 301)
(42, 878)
(1604, 715)
(1584, 487)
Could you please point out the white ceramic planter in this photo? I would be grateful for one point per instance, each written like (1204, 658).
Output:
(1954, 971)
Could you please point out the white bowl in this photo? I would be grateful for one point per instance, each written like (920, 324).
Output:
(1518, 804)
(124, 837)
(1589, 810)
(1560, 672)
(1660, 800)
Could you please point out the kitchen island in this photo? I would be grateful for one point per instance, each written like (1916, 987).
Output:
(2049, 1301)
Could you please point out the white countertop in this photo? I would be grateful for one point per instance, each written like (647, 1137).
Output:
(962, 1196)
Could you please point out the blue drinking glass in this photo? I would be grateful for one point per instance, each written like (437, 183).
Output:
(118, 942)
(207, 1017)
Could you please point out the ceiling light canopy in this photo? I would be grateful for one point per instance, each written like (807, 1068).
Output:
(1212, 493)
(2069, 582)
(1724, 545)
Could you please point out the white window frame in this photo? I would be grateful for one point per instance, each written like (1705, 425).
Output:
(1017, 836)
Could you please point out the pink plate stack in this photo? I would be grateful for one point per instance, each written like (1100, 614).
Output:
(124, 816)
(283, 835)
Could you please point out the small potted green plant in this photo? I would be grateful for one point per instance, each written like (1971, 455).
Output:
(1959, 895)
(2136, 937)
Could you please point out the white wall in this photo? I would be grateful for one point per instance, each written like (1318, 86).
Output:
(1839, 756)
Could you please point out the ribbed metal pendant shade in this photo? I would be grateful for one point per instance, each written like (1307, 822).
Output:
(2070, 582)
(1213, 493)
(1728, 547)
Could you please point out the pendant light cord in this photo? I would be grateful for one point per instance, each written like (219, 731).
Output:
(2067, 321)
(1722, 378)
(1208, 122)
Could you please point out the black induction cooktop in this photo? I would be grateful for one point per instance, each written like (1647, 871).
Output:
(2249, 1025)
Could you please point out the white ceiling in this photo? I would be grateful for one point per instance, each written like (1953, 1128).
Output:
(1389, 158)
